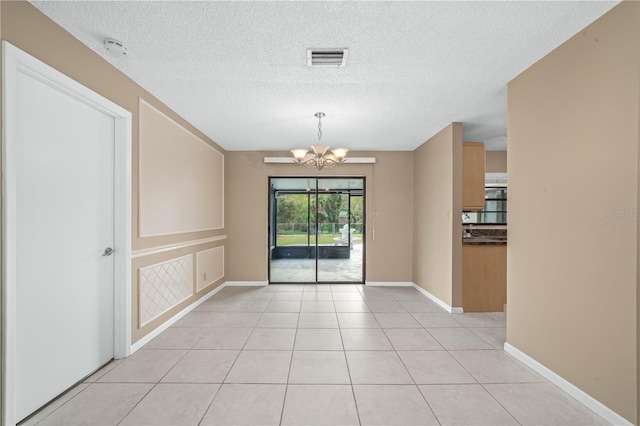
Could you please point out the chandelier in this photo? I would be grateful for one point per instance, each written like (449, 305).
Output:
(320, 158)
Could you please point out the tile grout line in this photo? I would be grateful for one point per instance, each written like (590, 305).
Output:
(500, 404)
(229, 371)
(409, 373)
(344, 352)
(137, 403)
(286, 389)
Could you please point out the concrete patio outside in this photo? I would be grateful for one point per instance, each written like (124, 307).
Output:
(329, 270)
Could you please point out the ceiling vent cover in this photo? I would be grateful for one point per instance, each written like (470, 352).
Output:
(336, 57)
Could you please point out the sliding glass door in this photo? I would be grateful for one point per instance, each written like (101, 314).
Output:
(316, 230)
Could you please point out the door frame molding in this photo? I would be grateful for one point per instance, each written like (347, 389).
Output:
(14, 62)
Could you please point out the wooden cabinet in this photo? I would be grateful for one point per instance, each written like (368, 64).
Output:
(484, 277)
(473, 170)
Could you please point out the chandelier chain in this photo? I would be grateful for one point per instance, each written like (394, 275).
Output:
(319, 128)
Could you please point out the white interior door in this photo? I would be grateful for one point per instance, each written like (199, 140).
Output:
(64, 294)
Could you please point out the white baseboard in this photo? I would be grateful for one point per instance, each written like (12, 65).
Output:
(582, 397)
(387, 284)
(439, 302)
(146, 339)
(246, 283)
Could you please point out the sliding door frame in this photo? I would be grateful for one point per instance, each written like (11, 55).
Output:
(272, 226)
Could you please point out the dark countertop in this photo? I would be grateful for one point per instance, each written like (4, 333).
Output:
(486, 241)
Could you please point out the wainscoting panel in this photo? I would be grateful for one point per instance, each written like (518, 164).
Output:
(163, 286)
(209, 266)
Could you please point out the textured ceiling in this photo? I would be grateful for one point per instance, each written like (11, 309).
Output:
(237, 70)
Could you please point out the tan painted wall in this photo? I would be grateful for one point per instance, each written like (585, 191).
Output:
(437, 224)
(388, 203)
(30, 30)
(496, 161)
(573, 229)
(173, 165)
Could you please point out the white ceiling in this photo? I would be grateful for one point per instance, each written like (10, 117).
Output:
(237, 70)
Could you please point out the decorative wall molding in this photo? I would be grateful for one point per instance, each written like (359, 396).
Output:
(163, 286)
(177, 168)
(582, 397)
(170, 247)
(209, 267)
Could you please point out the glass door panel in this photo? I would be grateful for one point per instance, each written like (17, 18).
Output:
(292, 236)
(340, 248)
(317, 230)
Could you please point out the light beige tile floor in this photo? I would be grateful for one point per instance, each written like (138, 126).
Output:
(320, 354)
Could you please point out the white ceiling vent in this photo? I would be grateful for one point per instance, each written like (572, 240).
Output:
(327, 57)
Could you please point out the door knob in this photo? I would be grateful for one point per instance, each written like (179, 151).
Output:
(108, 251)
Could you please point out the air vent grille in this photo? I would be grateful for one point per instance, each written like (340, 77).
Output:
(327, 57)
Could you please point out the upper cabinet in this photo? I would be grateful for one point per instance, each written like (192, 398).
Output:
(473, 170)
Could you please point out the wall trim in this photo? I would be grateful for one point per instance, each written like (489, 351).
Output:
(146, 339)
(439, 302)
(170, 247)
(289, 160)
(388, 284)
(247, 283)
(581, 396)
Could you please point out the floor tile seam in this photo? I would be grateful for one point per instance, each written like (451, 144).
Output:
(192, 383)
(137, 403)
(173, 365)
(405, 367)
(284, 401)
(195, 343)
(334, 383)
(435, 416)
(204, 413)
(482, 338)
(63, 404)
(460, 364)
(499, 403)
(291, 357)
(346, 361)
(236, 359)
(496, 383)
(427, 330)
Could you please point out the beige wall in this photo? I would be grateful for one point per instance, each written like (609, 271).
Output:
(388, 203)
(173, 164)
(496, 161)
(573, 227)
(437, 223)
(28, 29)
